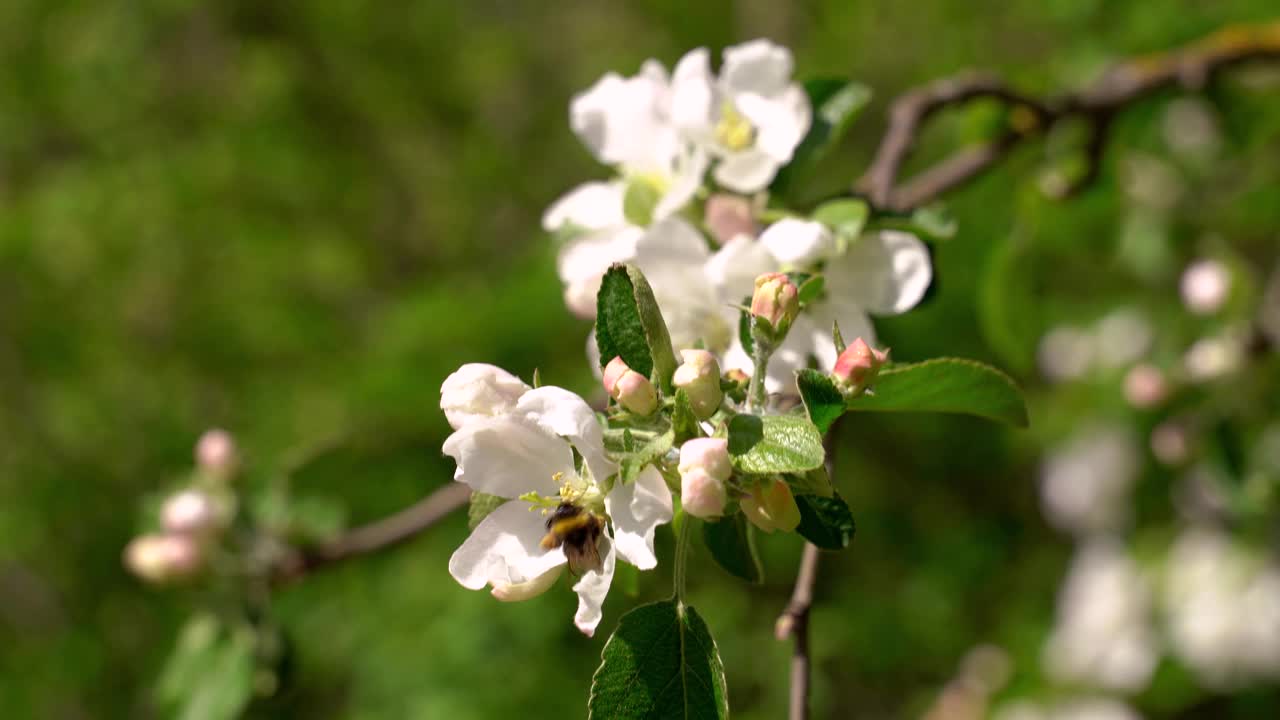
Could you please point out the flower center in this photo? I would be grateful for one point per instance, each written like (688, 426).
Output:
(734, 131)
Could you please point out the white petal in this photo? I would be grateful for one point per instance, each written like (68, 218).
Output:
(691, 167)
(854, 323)
(622, 120)
(519, 592)
(757, 66)
(592, 589)
(734, 267)
(478, 390)
(590, 206)
(780, 122)
(693, 97)
(637, 509)
(748, 171)
(508, 455)
(798, 243)
(505, 549)
(672, 241)
(886, 272)
(583, 262)
(563, 413)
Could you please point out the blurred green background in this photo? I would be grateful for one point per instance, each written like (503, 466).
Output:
(294, 219)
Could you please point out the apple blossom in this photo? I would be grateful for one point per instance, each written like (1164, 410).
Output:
(190, 511)
(857, 366)
(163, 558)
(776, 300)
(526, 455)
(750, 117)
(216, 452)
(704, 470)
(479, 390)
(632, 390)
(699, 377)
(1205, 285)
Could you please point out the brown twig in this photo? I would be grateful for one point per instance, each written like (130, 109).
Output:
(1190, 67)
(375, 536)
(794, 623)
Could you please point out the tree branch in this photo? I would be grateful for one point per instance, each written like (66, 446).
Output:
(378, 535)
(794, 623)
(1190, 67)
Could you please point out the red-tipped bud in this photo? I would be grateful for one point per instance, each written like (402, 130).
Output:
(771, 506)
(1145, 386)
(632, 390)
(776, 300)
(163, 558)
(857, 366)
(699, 377)
(216, 453)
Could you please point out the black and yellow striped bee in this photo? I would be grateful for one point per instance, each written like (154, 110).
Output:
(578, 531)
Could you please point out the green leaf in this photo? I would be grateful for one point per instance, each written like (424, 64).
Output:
(194, 650)
(683, 420)
(836, 103)
(629, 324)
(845, 216)
(932, 221)
(730, 542)
(744, 328)
(209, 676)
(811, 289)
(661, 663)
(774, 444)
(631, 463)
(822, 399)
(814, 482)
(825, 521)
(947, 385)
(481, 505)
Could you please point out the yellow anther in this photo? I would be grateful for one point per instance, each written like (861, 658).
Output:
(734, 131)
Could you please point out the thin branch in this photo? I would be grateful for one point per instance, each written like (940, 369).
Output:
(378, 535)
(1191, 67)
(794, 623)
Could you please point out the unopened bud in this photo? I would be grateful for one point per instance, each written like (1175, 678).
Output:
(216, 452)
(699, 377)
(728, 216)
(191, 512)
(776, 300)
(478, 390)
(631, 389)
(1205, 285)
(771, 506)
(1145, 386)
(163, 558)
(516, 592)
(704, 469)
(857, 366)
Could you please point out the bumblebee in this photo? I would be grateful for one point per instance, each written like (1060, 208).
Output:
(578, 531)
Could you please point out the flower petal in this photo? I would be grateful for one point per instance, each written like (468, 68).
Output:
(590, 206)
(798, 243)
(508, 456)
(563, 413)
(519, 592)
(622, 120)
(584, 260)
(780, 122)
(886, 272)
(478, 390)
(854, 323)
(637, 509)
(505, 549)
(747, 171)
(593, 588)
(734, 267)
(693, 94)
(758, 66)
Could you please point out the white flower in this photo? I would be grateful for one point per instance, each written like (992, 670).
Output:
(1103, 634)
(1085, 484)
(885, 273)
(479, 390)
(751, 117)
(528, 451)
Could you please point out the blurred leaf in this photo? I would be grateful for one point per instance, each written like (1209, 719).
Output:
(196, 646)
(822, 399)
(210, 674)
(1007, 304)
(811, 289)
(946, 385)
(774, 444)
(481, 505)
(836, 103)
(661, 662)
(639, 201)
(629, 324)
(825, 521)
(933, 221)
(814, 482)
(730, 543)
(845, 216)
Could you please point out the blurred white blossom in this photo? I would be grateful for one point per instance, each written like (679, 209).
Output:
(1102, 635)
(1065, 353)
(1205, 286)
(1084, 708)
(1085, 484)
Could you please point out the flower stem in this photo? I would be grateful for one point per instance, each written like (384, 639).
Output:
(680, 567)
(756, 391)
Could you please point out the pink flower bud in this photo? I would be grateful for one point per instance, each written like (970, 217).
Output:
(708, 454)
(631, 389)
(699, 377)
(163, 558)
(1145, 386)
(216, 452)
(1205, 286)
(776, 300)
(858, 365)
(728, 216)
(190, 511)
(771, 506)
(702, 495)
(517, 592)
